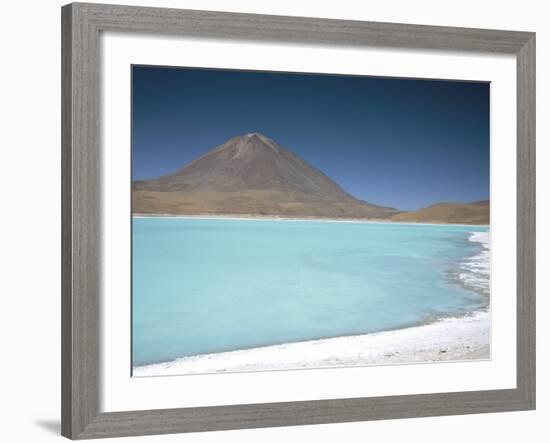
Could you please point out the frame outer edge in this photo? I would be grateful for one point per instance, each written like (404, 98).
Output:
(282, 28)
(81, 240)
(526, 221)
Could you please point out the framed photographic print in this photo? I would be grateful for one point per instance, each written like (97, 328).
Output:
(273, 221)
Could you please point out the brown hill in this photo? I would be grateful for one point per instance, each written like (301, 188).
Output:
(250, 175)
(476, 213)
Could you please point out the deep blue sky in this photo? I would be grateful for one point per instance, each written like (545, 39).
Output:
(399, 142)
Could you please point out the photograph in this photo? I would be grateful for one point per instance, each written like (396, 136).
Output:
(287, 220)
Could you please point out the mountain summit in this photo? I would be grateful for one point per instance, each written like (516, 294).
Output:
(252, 175)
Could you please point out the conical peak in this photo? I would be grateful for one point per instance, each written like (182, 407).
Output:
(251, 162)
(251, 174)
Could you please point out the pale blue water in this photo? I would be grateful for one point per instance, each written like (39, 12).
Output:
(202, 286)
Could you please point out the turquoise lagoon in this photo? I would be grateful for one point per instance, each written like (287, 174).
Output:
(212, 285)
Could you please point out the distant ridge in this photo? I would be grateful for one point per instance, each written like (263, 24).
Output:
(475, 213)
(481, 203)
(250, 175)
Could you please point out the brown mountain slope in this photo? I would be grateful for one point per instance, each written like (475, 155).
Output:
(250, 175)
(476, 213)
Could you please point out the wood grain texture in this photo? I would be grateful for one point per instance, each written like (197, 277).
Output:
(230, 25)
(526, 218)
(80, 218)
(167, 421)
(81, 205)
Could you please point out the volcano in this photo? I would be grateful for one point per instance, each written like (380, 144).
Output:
(250, 175)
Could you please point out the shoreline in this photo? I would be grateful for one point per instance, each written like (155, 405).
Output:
(245, 217)
(448, 339)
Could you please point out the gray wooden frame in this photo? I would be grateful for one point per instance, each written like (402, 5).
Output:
(81, 205)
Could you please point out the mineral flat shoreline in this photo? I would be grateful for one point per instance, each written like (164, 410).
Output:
(246, 217)
(449, 339)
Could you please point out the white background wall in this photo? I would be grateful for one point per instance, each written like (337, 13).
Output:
(30, 220)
